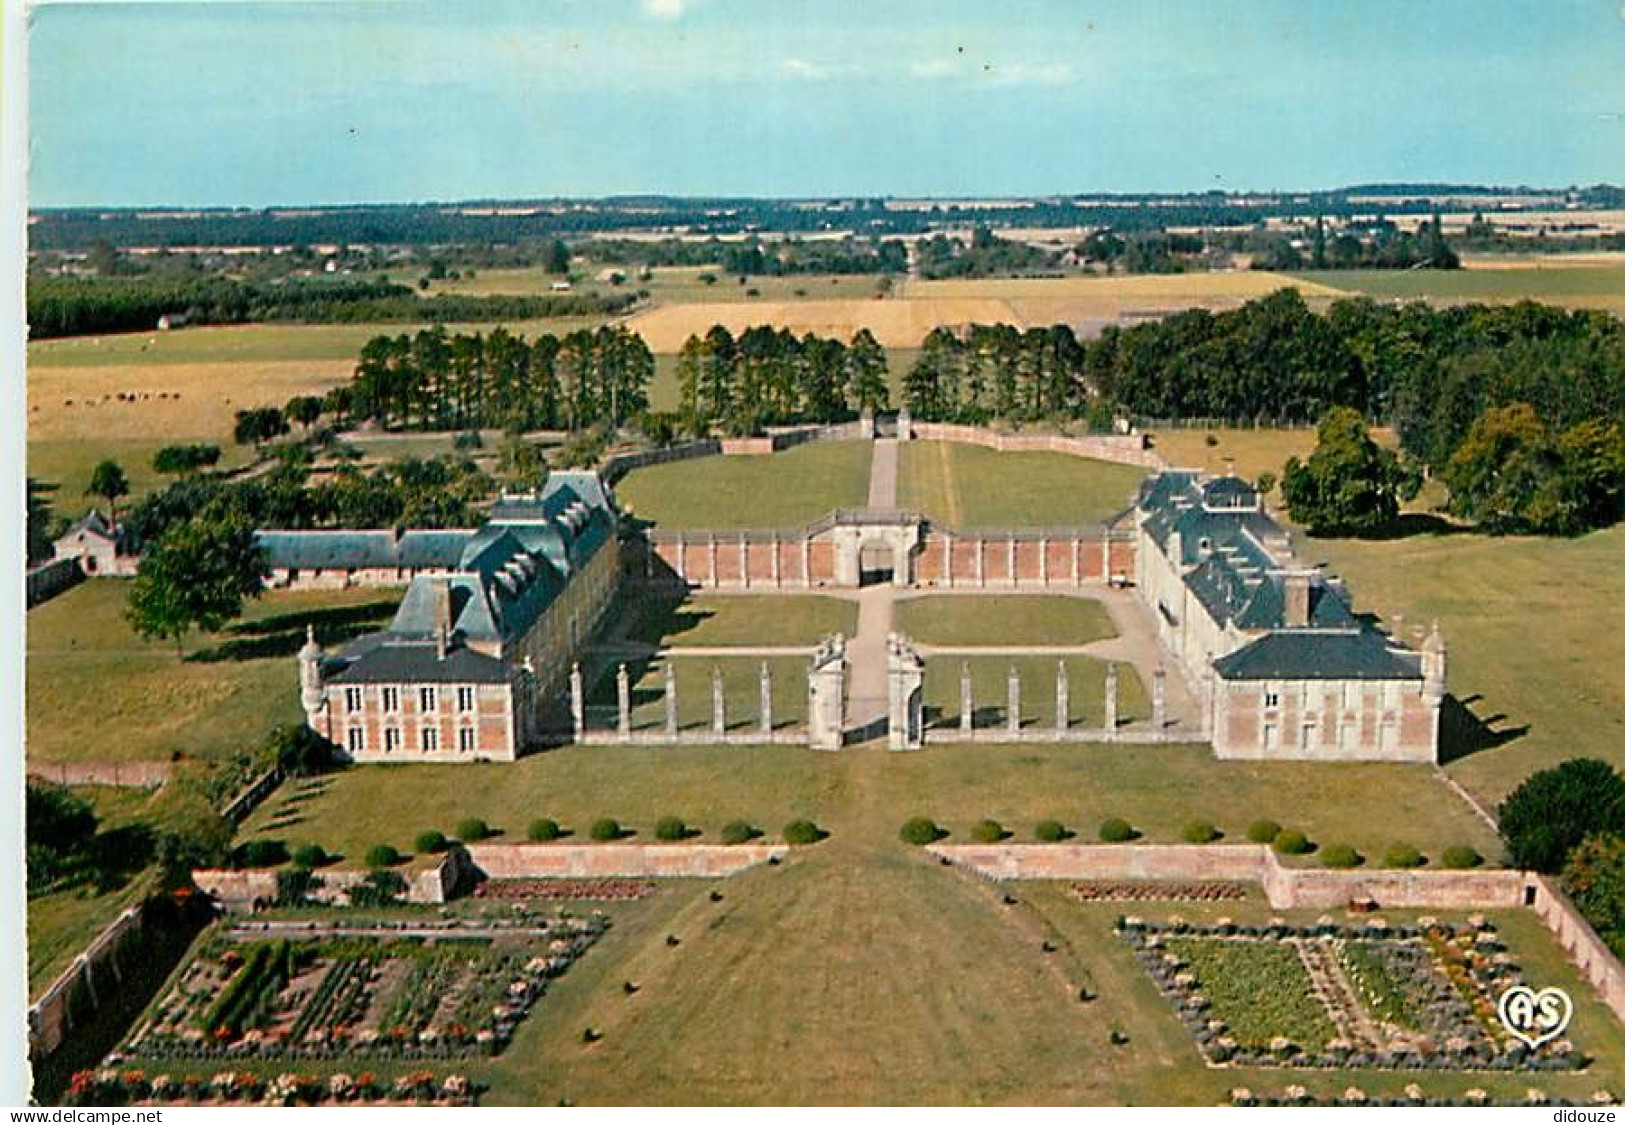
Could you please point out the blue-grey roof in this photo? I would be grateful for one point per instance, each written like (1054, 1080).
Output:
(398, 662)
(349, 549)
(1304, 654)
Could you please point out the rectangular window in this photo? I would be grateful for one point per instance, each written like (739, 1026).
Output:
(431, 740)
(352, 699)
(1272, 699)
(1271, 736)
(356, 739)
(392, 738)
(1306, 737)
(426, 700)
(465, 699)
(392, 699)
(465, 739)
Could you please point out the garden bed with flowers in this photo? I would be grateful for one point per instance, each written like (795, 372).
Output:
(111, 1086)
(1418, 996)
(565, 890)
(359, 995)
(1205, 890)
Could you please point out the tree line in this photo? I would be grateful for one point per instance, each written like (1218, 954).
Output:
(768, 376)
(988, 372)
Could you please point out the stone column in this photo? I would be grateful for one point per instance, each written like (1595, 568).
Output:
(767, 701)
(1106, 555)
(1063, 698)
(967, 704)
(905, 678)
(806, 562)
(774, 568)
(1077, 571)
(623, 703)
(948, 559)
(1010, 559)
(711, 556)
(1012, 718)
(826, 695)
(682, 559)
(719, 719)
(1111, 697)
(578, 703)
(1043, 561)
(671, 702)
(981, 569)
(1159, 697)
(744, 562)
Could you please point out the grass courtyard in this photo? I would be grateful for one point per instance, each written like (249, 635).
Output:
(990, 691)
(744, 619)
(786, 489)
(956, 620)
(969, 486)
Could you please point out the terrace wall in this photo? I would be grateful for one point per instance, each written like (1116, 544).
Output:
(1584, 947)
(48, 580)
(55, 1014)
(1124, 449)
(238, 892)
(587, 861)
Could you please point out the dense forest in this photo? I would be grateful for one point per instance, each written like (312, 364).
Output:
(770, 376)
(85, 306)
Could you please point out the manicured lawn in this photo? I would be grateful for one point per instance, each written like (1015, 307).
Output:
(97, 692)
(967, 486)
(785, 489)
(1247, 453)
(743, 620)
(1012, 620)
(990, 690)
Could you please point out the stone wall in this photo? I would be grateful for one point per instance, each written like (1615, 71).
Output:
(236, 892)
(48, 580)
(137, 775)
(617, 465)
(767, 559)
(52, 1016)
(1584, 947)
(1125, 449)
(1024, 558)
(586, 861)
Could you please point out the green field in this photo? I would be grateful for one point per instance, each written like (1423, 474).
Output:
(68, 464)
(1579, 286)
(968, 486)
(782, 490)
(97, 692)
(955, 620)
(745, 619)
(990, 690)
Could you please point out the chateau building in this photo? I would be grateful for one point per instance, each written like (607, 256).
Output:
(1278, 658)
(479, 643)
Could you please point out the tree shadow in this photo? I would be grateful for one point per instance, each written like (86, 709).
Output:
(284, 635)
(1462, 733)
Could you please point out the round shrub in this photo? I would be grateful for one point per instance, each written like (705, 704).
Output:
(431, 841)
(802, 832)
(605, 829)
(1199, 832)
(1050, 832)
(1461, 857)
(544, 830)
(739, 832)
(382, 855)
(473, 828)
(987, 832)
(263, 853)
(1263, 831)
(921, 830)
(1290, 841)
(1115, 830)
(1402, 855)
(670, 829)
(1339, 855)
(309, 855)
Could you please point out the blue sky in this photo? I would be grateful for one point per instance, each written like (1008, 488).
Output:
(239, 102)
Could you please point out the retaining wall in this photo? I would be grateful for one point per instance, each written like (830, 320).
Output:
(1125, 449)
(587, 861)
(237, 892)
(52, 1016)
(138, 775)
(1582, 944)
(48, 580)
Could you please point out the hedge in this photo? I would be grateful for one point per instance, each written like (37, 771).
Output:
(671, 829)
(1050, 832)
(921, 830)
(1116, 830)
(1199, 832)
(1290, 841)
(309, 855)
(802, 832)
(1461, 857)
(1263, 831)
(1340, 855)
(987, 832)
(1402, 855)
(382, 855)
(606, 829)
(739, 832)
(544, 830)
(473, 829)
(430, 841)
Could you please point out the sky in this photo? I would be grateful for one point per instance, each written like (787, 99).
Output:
(238, 102)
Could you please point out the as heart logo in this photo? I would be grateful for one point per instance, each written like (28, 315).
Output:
(1535, 1017)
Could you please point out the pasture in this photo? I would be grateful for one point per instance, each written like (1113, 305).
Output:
(970, 486)
(786, 489)
(1593, 285)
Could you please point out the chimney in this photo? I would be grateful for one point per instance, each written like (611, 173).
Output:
(1295, 596)
(442, 618)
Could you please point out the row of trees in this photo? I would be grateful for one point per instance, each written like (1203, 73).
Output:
(996, 371)
(768, 376)
(433, 380)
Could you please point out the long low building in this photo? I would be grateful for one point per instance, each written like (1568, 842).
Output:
(474, 651)
(1283, 666)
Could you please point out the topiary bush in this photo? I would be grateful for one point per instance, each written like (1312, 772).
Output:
(1263, 831)
(1116, 830)
(988, 832)
(671, 829)
(472, 829)
(262, 853)
(1050, 832)
(431, 841)
(802, 832)
(739, 832)
(1402, 855)
(309, 855)
(1339, 855)
(382, 855)
(1289, 841)
(1199, 832)
(1460, 857)
(921, 830)
(606, 829)
(544, 830)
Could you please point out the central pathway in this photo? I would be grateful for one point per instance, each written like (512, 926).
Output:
(866, 702)
(883, 474)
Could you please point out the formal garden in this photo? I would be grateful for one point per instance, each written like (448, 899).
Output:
(1338, 995)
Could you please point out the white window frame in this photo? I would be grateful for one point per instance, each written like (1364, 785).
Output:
(353, 699)
(392, 739)
(430, 739)
(391, 700)
(355, 739)
(466, 741)
(427, 699)
(466, 699)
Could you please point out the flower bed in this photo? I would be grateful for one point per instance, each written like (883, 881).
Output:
(346, 995)
(1413, 997)
(566, 890)
(110, 1087)
(1125, 891)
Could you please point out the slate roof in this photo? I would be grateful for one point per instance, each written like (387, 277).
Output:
(395, 661)
(1304, 654)
(349, 549)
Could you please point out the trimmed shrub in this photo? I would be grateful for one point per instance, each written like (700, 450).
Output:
(802, 832)
(606, 829)
(988, 832)
(1290, 841)
(739, 832)
(430, 841)
(1199, 832)
(1116, 830)
(1402, 855)
(309, 855)
(1460, 857)
(544, 830)
(472, 829)
(921, 830)
(670, 829)
(1050, 832)
(1263, 831)
(263, 853)
(1339, 855)
(382, 855)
